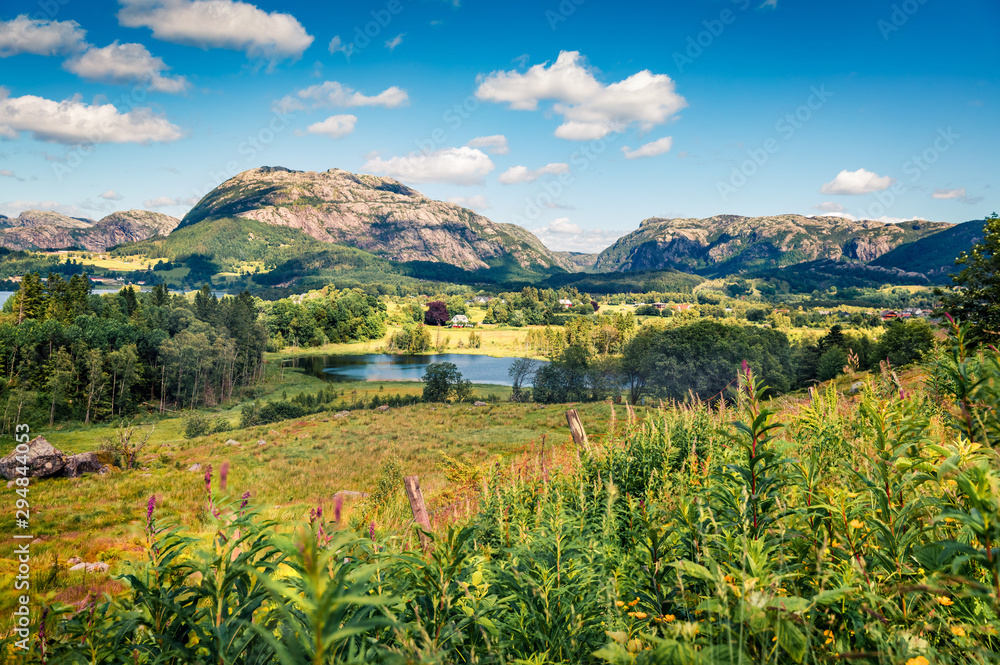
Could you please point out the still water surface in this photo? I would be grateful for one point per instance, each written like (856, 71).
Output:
(398, 367)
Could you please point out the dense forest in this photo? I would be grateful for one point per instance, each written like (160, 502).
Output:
(69, 354)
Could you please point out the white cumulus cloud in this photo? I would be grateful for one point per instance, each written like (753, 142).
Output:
(856, 182)
(226, 24)
(125, 63)
(949, 193)
(458, 166)
(519, 174)
(331, 94)
(495, 145)
(112, 195)
(39, 37)
(589, 108)
(335, 126)
(72, 121)
(651, 149)
(476, 202)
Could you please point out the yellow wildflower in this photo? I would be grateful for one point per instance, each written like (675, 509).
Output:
(730, 579)
(919, 660)
(634, 603)
(668, 618)
(620, 603)
(856, 524)
(945, 600)
(958, 631)
(829, 636)
(639, 615)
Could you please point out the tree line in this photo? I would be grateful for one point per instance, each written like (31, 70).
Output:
(68, 354)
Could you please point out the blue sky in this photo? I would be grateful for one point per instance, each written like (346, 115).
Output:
(576, 119)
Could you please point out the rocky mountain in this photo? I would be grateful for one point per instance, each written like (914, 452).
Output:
(729, 243)
(379, 215)
(934, 256)
(37, 229)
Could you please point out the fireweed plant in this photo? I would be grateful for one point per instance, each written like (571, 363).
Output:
(847, 528)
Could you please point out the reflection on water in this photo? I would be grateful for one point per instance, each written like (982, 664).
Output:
(398, 367)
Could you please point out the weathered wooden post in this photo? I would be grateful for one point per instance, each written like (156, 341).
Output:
(416, 497)
(576, 429)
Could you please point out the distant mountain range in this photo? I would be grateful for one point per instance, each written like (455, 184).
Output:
(727, 244)
(36, 229)
(302, 223)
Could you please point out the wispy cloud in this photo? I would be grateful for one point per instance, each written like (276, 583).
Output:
(651, 149)
(395, 41)
(332, 94)
(518, 174)
(458, 166)
(335, 126)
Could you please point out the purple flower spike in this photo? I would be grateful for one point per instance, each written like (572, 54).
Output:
(224, 475)
(246, 500)
(950, 318)
(371, 531)
(208, 478)
(150, 507)
(338, 505)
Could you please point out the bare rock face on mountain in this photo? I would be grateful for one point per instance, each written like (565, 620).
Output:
(378, 215)
(730, 243)
(37, 229)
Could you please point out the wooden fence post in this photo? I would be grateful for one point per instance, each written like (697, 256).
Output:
(416, 497)
(576, 429)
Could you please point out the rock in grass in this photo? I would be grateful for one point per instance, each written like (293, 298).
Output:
(42, 460)
(77, 465)
(341, 414)
(856, 387)
(232, 442)
(382, 409)
(79, 566)
(195, 467)
(477, 403)
(98, 567)
(261, 442)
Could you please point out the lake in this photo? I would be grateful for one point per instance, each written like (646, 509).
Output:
(398, 367)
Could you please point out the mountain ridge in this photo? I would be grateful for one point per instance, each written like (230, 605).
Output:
(733, 243)
(40, 229)
(375, 214)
